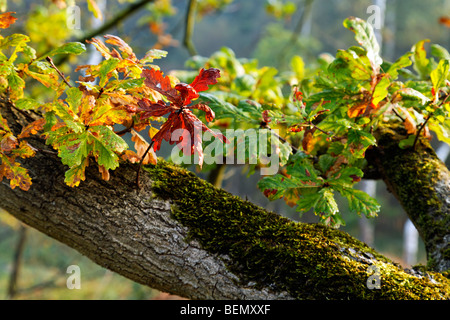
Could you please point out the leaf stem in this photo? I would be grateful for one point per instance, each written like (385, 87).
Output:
(140, 164)
(428, 118)
(57, 70)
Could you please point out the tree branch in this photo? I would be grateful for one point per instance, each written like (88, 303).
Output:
(181, 235)
(189, 28)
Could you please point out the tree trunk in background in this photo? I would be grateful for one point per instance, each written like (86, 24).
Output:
(181, 235)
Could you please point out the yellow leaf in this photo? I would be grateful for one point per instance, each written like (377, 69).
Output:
(93, 7)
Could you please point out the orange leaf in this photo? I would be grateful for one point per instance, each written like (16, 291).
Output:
(32, 128)
(131, 156)
(141, 146)
(410, 124)
(308, 140)
(6, 19)
(100, 46)
(445, 21)
(104, 172)
(357, 110)
(123, 46)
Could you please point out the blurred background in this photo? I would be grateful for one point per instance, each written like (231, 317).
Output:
(33, 266)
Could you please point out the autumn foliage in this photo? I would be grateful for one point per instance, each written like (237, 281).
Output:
(325, 123)
(79, 122)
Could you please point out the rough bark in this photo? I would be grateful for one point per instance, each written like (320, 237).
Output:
(181, 235)
(421, 183)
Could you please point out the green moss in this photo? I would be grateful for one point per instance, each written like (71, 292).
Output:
(310, 261)
(413, 175)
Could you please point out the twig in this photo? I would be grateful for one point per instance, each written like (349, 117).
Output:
(426, 120)
(420, 130)
(265, 126)
(26, 115)
(189, 30)
(57, 70)
(126, 130)
(396, 113)
(108, 25)
(140, 164)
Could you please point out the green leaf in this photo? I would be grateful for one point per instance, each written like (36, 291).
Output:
(439, 75)
(106, 67)
(412, 94)
(16, 85)
(223, 109)
(361, 137)
(74, 148)
(277, 182)
(67, 48)
(74, 96)
(345, 176)
(153, 54)
(440, 52)
(298, 66)
(421, 63)
(402, 62)
(308, 201)
(130, 84)
(76, 174)
(366, 37)
(325, 162)
(327, 204)
(19, 41)
(408, 142)
(360, 202)
(348, 64)
(105, 146)
(381, 90)
(26, 104)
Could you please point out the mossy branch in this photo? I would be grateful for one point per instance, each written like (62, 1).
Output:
(180, 234)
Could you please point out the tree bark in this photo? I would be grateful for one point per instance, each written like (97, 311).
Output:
(181, 235)
(421, 183)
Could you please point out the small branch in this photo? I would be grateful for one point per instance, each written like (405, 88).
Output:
(426, 120)
(396, 113)
(126, 130)
(189, 29)
(124, 14)
(140, 164)
(57, 70)
(265, 126)
(26, 115)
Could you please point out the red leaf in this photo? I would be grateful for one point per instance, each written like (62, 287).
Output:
(180, 116)
(209, 114)
(187, 93)
(151, 109)
(154, 79)
(205, 78)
